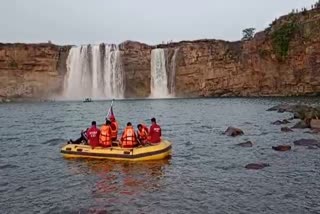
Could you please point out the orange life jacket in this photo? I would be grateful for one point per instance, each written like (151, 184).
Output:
(114, 132)
(105, 136)
(143, 134)
(129, 137)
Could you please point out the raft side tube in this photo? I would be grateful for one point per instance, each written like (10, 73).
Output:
(154, 152)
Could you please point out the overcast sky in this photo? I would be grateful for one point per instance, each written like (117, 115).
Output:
(150, 21)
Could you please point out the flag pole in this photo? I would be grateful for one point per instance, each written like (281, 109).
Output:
(110, 108)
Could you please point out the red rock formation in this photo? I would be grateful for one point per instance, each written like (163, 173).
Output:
(31, 70)
(136, 59)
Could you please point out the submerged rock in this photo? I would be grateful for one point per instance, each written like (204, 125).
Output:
(280, 108)
(313, 131)
(313, 147)
(246, 144)
(233, 132)
(307, 142)
(286, 129)
(256, 166)
(279, 122)
(282, 148)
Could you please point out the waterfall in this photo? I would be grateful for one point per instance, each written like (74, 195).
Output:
(94, 71)
(172, 79)
(159, 80)
(163, 73)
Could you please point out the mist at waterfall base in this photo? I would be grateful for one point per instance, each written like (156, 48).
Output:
(205, 174)
(94, 71)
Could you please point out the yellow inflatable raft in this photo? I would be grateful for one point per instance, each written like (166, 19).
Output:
(142, 153)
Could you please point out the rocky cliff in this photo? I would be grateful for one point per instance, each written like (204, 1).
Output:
(31, 70)
(283, 60)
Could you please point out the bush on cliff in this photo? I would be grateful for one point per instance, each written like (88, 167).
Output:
(248, 34)
(281, 38)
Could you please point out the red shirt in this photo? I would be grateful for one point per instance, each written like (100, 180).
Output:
(155, 133)
(93, 136)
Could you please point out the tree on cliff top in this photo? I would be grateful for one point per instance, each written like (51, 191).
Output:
(317, 4)
(248, 34)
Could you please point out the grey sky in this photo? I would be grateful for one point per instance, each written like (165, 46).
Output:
(150, 21)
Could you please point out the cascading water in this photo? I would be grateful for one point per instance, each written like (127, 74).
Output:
(172, 79)
(94, 71)
(163, 73)
(159, 80)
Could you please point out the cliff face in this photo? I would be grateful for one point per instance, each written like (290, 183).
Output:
(136, 59)
(283, 60)
(31, 70)
(259, 67)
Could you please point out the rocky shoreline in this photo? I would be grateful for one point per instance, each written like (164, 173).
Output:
(309, 118)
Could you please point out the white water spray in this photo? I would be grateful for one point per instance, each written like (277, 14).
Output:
(94, 71)
(159, 79)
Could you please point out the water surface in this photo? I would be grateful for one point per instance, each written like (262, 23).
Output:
(206, 173)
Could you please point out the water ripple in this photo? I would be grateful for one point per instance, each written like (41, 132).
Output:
(205, 174)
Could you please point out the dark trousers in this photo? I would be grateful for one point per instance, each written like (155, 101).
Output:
(80, 139)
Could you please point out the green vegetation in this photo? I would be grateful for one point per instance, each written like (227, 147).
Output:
(281, 38)
(248, 34)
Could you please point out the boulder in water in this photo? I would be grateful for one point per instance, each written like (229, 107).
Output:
(282, 148)
(246, 144)
(302, 125)
(307, 142)
(315, 124)
(286, 129)
(256, 166)
(233, 132)
(306, 112)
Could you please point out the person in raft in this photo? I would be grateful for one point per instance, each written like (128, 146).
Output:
(82, 139)
(155, 132)
(129, 138)
(142, 134)
(93, 134)
(114, 126)
(105, 135)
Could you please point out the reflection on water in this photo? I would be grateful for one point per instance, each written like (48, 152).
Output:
(205, 174)
(120, 179)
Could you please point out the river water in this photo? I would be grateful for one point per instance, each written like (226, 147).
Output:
(205, 174)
